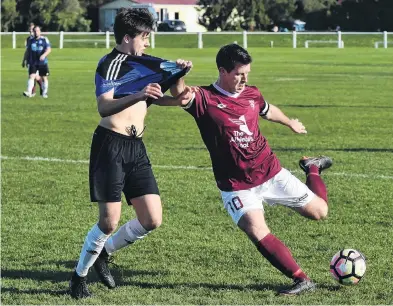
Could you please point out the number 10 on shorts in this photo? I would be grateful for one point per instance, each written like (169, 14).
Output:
(235, 204)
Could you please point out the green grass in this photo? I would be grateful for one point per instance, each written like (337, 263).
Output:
(198, 256)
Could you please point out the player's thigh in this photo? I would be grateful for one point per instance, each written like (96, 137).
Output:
(32, 71)
(287, 190)
(148, 209)
(106, 173)
(237, 203)
(254, 225)
(109, 216)
(43, 71)
(316, 209)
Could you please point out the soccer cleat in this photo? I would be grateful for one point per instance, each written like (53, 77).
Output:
(322, 162)
(299, 286)
(29, 95)
(45, 96)
(102, 269)
(78, 287)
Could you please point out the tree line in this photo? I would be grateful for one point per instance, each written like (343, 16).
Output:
(224, 15)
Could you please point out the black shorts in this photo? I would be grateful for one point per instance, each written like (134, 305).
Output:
(43, 70)
(119, 163)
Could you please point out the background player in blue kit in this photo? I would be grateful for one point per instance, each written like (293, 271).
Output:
(37, 51)
(25, 64)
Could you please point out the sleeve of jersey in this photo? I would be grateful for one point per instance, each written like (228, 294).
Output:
(196, 107)
(102, 85)
(47, 42)
(264, 106)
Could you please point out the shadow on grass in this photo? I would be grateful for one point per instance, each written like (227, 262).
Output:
(123, 279)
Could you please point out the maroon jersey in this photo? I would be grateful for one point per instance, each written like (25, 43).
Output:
(228, 123)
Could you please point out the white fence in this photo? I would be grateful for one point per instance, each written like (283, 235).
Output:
(107, 37)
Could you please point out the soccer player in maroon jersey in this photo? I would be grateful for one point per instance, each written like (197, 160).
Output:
(246, 170)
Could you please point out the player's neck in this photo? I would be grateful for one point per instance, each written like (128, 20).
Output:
(220, 86)
(124, 49)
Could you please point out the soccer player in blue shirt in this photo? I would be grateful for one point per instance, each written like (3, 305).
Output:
(24, 60)
(37, 51)
(127, 82)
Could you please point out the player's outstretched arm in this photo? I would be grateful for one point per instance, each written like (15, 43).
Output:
(276, 115)
(180, 100)
(180, 85)
(108, 106)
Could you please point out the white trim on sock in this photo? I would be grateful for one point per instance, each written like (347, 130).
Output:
(126, 235)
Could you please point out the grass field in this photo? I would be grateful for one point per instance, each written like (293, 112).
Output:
(343, 96)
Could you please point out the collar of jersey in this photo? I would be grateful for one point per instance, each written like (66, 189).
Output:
(227, 93)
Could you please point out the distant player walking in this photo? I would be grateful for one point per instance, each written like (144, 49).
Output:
(246, 170)
(25, 64)
(37, 51)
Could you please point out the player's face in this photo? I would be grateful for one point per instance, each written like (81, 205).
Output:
(235, 80)
(37, 32)
(139, 43)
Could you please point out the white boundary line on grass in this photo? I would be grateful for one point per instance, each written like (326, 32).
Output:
(76, 161)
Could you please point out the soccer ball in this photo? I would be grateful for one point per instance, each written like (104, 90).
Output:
(348, 266)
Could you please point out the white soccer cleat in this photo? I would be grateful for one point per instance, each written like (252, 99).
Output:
(45, 96)
(29, 95)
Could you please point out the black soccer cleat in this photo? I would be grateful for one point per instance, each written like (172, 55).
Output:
(322, 162)
(300, 286)
(78, 287)
(102, 269)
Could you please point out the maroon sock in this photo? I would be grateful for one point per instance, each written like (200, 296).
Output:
(33, 90)
(280, 257)
(315, 183)
(40, 83)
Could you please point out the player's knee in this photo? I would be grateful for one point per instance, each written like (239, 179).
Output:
(152, 223)
(108, 226)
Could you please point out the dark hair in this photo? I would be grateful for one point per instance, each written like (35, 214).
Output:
(132, 21)
(229, 55)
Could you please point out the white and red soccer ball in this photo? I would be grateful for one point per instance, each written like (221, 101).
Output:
(348, 266)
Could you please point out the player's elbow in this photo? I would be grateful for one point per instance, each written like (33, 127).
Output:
(103, 111)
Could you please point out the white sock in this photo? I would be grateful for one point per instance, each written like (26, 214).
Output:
(45, 86)
(126, 235)
(30, 85)
(94, 242)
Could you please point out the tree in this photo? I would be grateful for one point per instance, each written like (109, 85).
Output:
(280, 10)
(70, 17)
(254, 14)
(219, 14)
(9, 14)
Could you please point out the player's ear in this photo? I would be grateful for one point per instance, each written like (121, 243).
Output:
(222, 70)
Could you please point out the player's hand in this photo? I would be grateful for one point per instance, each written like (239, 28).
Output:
(185, 97)
(24, 62)
(296, 126)
(184, 64)
(42, 58)
(152, 90)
